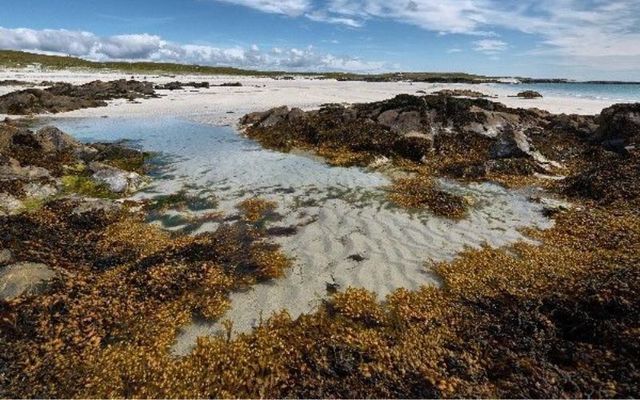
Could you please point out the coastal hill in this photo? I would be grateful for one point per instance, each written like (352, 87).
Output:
(21, 59)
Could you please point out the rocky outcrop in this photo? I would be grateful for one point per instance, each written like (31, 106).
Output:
(181, 85)
(38, 166)
(417, 128)
(460, 93)
(67, 97)
(460, 136)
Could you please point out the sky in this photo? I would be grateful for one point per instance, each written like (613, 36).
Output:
(576, 39)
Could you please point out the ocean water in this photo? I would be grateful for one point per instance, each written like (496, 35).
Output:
(624, 93)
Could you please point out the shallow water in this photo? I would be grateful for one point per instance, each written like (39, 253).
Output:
(340, 213)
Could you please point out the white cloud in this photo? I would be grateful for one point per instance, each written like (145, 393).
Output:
(584, 32)
(490, 46)
(454, 50)
(154, 48)
(286, 7)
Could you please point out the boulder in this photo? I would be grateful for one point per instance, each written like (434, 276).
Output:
(619, 126)
(24, 278)
(116, 180)
(52, 140)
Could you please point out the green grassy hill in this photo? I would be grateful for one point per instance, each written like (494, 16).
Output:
(20, 59)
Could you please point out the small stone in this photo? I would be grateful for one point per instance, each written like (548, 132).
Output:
(9, 205)
(6, 257)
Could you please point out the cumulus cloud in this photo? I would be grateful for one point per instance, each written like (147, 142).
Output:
(154, 48)
(588, 32)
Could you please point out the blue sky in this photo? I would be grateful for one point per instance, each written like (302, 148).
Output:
(587, 39)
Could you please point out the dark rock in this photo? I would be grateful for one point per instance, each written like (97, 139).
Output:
(511, 143)
(460, 92)
(274, 117)
(529, 94)
(67, 97)
(619, 126)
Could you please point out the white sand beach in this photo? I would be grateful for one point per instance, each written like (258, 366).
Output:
(214, 105)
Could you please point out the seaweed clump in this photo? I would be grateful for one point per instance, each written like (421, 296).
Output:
(124, 288)
(419, 192)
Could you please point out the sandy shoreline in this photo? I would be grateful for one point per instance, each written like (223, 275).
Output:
(224, 105)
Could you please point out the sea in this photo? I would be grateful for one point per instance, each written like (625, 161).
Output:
(618, 92)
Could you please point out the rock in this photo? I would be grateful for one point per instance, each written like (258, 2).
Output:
(583, 126)
(116, 180)
(52, 139)
(6, 257)
(253, 118)
(275, 116)
(460, 93)
(379, 161)
(511, 143)
(66, 97)
(230, 84)
(11, 169)
(24, 278)
(86, 205)
(39, 191)
(295, 114)
(408, 122)
(9, 205)
(552, 207)
(619, 127)
(529, 94)
(170, 86)
(388, 118)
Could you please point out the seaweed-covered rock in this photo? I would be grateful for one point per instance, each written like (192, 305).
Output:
(412, 127)
(460, 93)
(67, 97)
(181, 85)
(619, 126)
(529, 94)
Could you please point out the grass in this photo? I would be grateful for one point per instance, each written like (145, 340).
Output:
(19, 59)
(85, 186)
